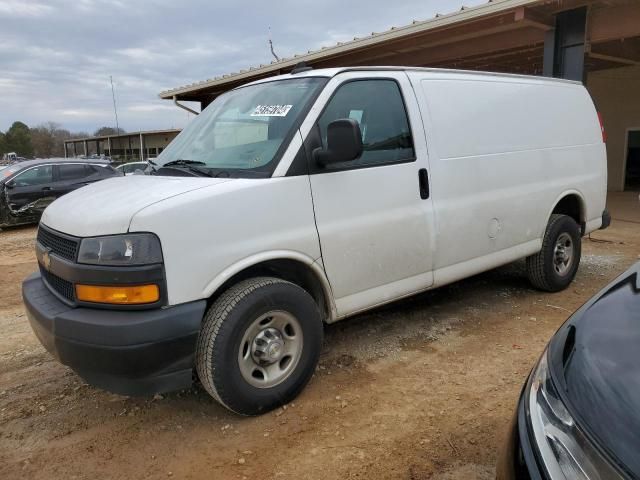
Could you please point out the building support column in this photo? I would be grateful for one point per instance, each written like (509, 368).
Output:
(65, 149)
(86, 148)
(75, 150)
(98, 147)
(109, 146)
(564, 46)
(141, 147)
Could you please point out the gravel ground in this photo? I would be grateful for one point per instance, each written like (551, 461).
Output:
(420, 389)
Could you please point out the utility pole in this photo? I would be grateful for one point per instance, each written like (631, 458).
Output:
(115, 110)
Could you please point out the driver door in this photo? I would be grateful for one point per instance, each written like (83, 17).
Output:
(374, 225)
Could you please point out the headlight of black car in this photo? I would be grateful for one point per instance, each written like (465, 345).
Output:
(564, 449)
(121, 250)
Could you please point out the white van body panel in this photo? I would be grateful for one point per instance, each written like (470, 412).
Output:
(502, 147)
(500, 150)
(207, 235)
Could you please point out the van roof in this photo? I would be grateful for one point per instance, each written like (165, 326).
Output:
(331, 72)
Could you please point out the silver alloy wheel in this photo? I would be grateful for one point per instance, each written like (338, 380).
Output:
(270, 349)
(563, 254)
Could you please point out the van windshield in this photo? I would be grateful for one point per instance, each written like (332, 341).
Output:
(244, 132)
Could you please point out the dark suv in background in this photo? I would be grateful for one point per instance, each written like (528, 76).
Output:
(26, 188)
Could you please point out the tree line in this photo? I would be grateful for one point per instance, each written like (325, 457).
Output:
(42, 141)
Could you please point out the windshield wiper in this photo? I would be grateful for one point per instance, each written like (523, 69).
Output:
(190, 165)
(181, 161)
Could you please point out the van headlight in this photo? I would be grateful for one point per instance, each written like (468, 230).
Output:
(564, 449)
(121, 250)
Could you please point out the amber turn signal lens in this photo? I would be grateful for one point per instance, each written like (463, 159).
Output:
(120, 295)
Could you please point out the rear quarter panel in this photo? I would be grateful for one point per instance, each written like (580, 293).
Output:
(504, 150)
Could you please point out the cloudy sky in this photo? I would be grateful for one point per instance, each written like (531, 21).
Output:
(56, 56)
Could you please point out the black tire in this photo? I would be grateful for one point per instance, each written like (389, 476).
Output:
(224, 328)
(542, 269)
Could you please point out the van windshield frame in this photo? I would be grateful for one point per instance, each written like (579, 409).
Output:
(244, 132)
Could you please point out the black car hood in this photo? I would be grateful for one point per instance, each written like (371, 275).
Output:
(595, 362)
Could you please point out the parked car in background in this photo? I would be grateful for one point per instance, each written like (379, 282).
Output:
(305, 199)
(26, 188)
(11, 157)
(578, 416)
(96, 157)
(132, 167)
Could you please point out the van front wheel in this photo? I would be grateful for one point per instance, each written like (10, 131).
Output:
(555, 266)
(259, 345)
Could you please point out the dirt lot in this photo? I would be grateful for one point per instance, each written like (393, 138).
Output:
(422, 389)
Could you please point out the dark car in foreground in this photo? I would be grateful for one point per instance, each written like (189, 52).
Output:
(26, 188)
(578, 416)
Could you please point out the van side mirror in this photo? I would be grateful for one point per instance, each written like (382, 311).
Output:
(344, 142)
(10, 184)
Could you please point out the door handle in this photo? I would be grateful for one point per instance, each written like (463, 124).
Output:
(46, 189)
(423, 180)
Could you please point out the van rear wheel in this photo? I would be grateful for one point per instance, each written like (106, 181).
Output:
(555, 266)
(259, 345)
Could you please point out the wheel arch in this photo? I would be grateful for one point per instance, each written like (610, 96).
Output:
(291, 266)
(571, 203)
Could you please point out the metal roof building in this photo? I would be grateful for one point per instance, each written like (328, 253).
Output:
(122, 147)
(595, 41)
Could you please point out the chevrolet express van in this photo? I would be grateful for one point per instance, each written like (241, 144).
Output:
(303, 199)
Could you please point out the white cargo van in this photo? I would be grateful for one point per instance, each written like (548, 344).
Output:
(303, 199)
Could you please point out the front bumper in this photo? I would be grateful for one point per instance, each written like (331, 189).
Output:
(517, 460)
(130, 352)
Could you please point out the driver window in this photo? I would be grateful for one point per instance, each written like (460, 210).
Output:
(378, 108)
(35, 176)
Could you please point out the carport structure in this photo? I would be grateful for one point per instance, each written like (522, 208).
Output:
(594, 41)
(122, 147)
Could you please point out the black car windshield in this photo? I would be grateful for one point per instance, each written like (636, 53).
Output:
(243, 132)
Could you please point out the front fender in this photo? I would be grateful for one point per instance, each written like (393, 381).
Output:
(314, 265)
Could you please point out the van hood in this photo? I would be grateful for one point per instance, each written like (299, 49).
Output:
(107, 207)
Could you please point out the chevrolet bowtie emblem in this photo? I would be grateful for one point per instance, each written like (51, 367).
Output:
(46, 259)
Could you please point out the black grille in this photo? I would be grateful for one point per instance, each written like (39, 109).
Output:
(58, 284)
(65, 247)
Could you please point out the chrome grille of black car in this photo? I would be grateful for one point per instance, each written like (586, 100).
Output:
(59, 285)
(63, 246)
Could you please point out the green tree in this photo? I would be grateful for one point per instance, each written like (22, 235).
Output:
(48, 140)
(43, 141)
(104, 131)
(18, 139)
(3, 144)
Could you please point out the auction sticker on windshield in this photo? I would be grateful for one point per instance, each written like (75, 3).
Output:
(271, 110)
